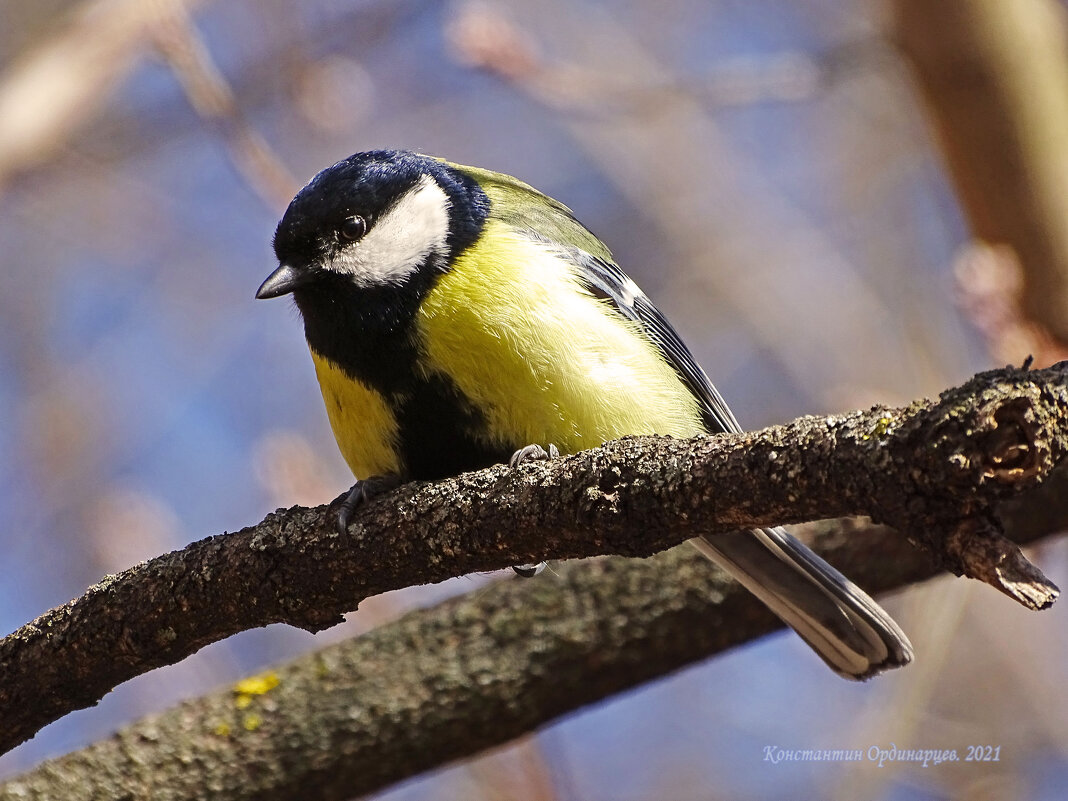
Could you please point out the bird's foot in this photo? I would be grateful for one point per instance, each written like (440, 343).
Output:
(531, 453)
(362, 491)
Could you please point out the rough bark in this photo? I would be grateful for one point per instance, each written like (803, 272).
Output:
(936, 470)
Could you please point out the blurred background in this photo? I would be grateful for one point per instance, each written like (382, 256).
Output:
(765, 169)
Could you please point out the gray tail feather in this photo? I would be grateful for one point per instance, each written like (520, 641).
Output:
(851, 632)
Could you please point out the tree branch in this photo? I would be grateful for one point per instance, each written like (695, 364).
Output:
(935, 470)
(448, 682)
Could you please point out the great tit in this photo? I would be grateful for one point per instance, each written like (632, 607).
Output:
(456, 316)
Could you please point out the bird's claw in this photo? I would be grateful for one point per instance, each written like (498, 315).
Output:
(531, 453)
(529, 570)
(362, 492)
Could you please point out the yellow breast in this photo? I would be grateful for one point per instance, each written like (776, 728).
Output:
(365, 428)
(544, 360)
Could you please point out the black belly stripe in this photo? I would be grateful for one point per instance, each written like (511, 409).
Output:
(442, 434)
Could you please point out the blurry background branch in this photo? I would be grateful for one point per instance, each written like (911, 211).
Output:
(936, 470)
(208, 92)
(60, 82)
(994, 74)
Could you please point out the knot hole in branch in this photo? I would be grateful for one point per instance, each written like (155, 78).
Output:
(604, 494)
(1012, 451)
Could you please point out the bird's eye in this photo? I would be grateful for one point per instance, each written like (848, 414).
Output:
(352, 228)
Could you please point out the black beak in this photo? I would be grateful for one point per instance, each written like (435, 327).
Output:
(282, 281)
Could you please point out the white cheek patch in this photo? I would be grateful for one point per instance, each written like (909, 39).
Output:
(399, 241)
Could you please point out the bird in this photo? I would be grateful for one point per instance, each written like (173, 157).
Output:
(458, 318)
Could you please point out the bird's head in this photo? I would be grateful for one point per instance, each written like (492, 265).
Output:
(375, 220)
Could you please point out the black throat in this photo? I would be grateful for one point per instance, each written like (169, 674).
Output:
(366, 331)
